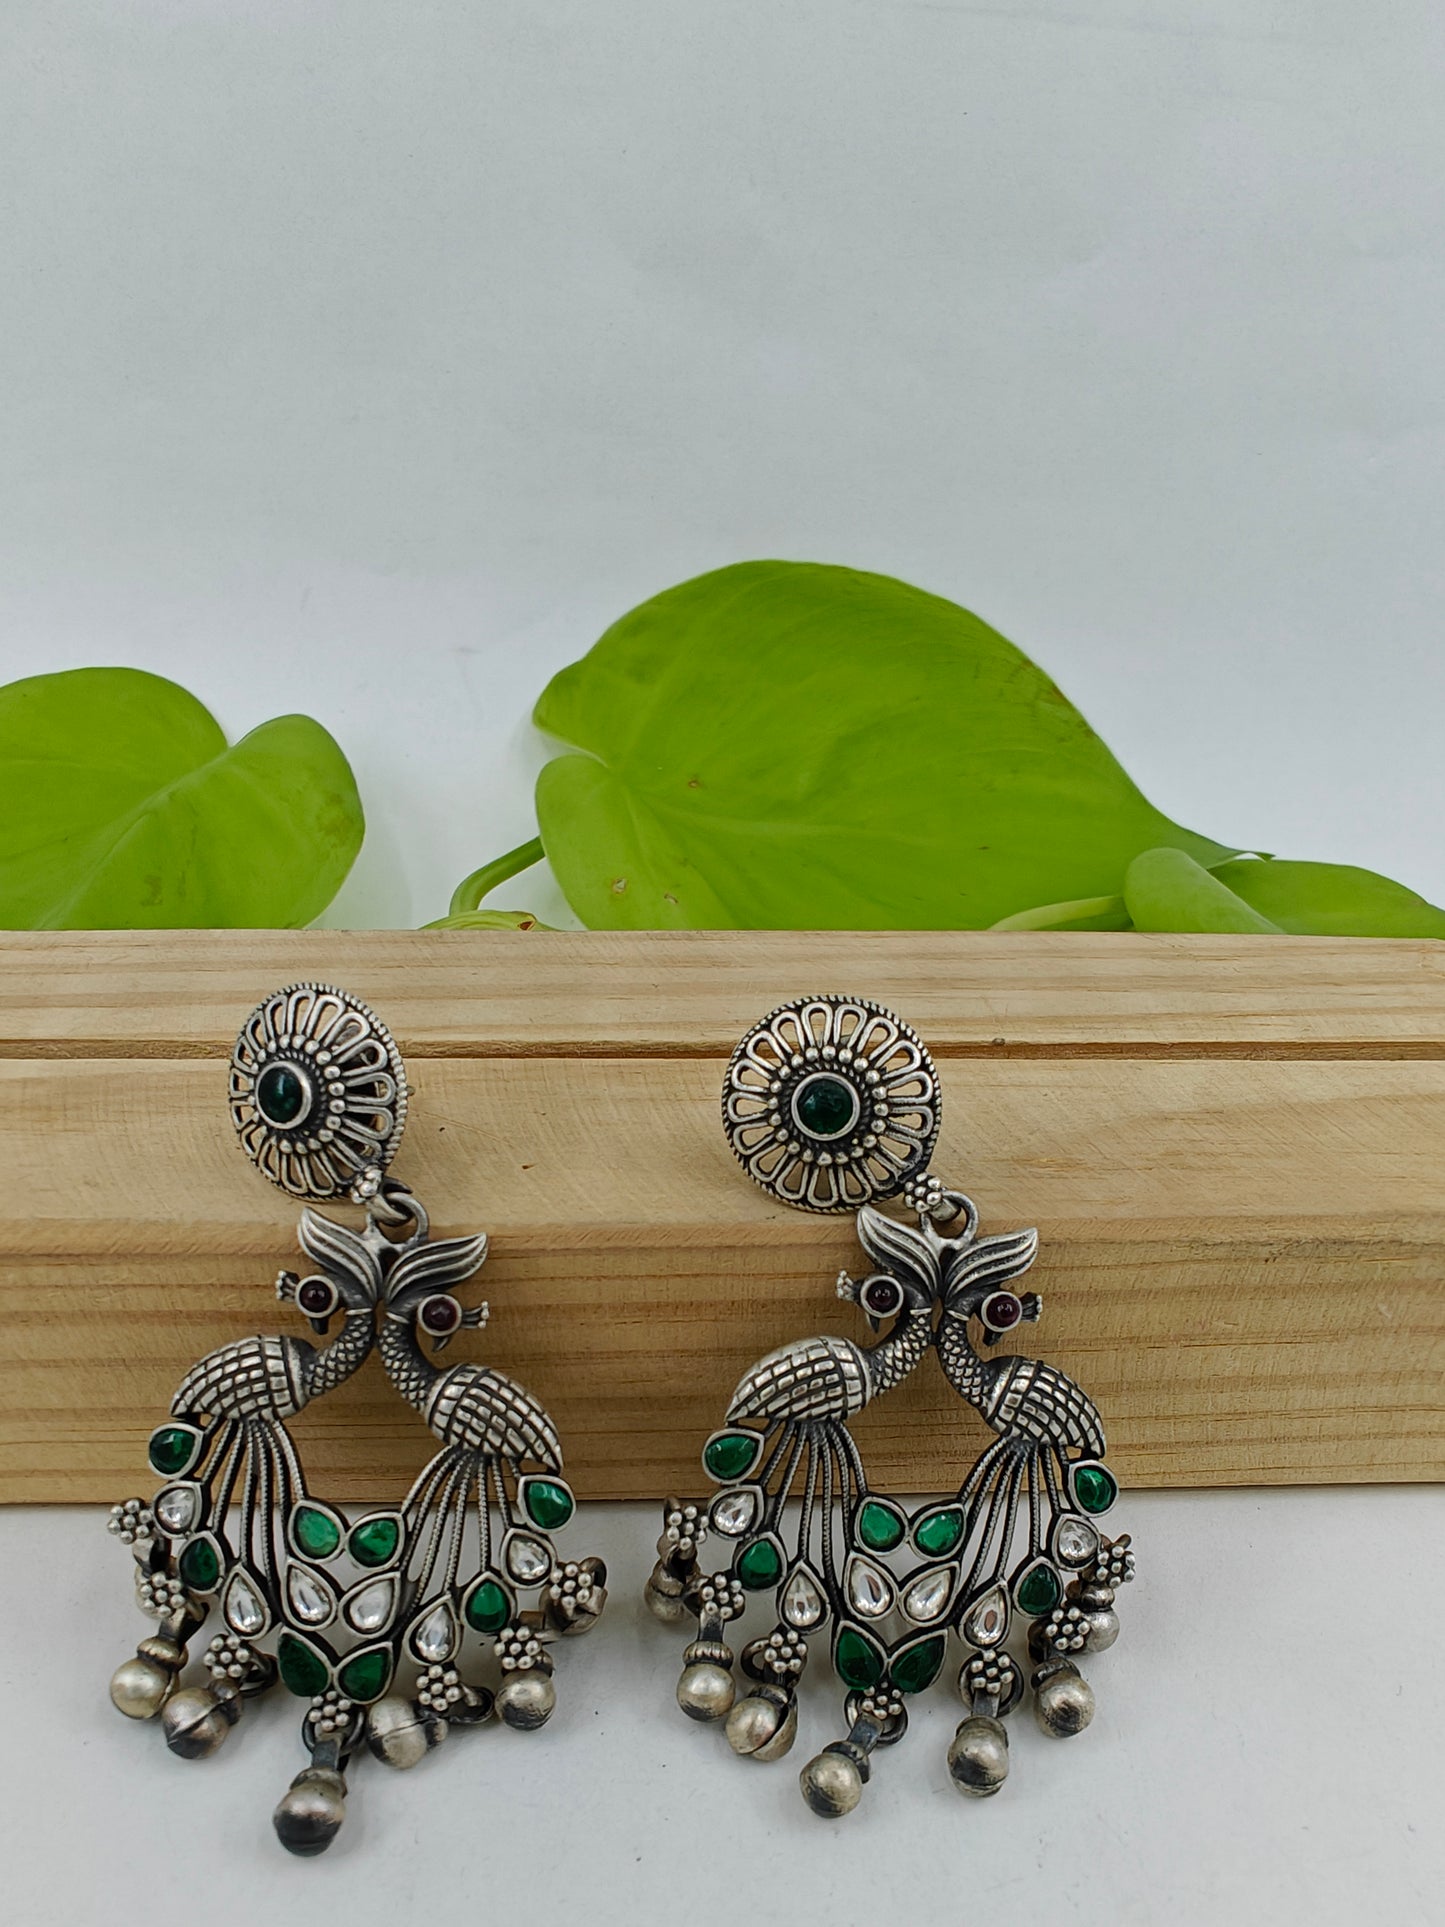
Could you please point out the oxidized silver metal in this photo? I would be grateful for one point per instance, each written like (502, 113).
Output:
(374, 1621)
(1014, 1555)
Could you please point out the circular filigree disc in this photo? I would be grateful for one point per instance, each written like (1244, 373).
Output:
(830, 1102)
(318, 1090)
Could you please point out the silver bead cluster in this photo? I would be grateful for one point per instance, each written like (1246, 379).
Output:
(683, 1528)
(924, 1194)
(159, 1595)
(989, 1675)
(132, 1522)
(883, 1704)
(1066, 1630)
(520, 1650)
(330, 1715)
(1114, 1562)
(783, 1654)
(720, 1596)
(229, 1657)
(439, 1689)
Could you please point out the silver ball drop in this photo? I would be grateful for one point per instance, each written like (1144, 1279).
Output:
(760, 1729)
(400, 1733)
(705, 1691)
(139, 1687)
(310, 1814)
(832, 1785)
(1103, 1629)
(978, 1758)
(195, 1722)
(525, 1700)
(663, 1595)
(1064, 1703)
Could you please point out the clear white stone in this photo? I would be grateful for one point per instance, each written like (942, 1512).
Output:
(310, 1601)
(1075, 1541)
(178, 1507)
(435, 1639)
(986, 1621)
(371, 1606)
(245, 1614)
(528, 1560)
(734, 1512)
(868, 1589)
(929, 1595)
(803, 1602)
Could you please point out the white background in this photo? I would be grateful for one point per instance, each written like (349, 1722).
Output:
(370, 358)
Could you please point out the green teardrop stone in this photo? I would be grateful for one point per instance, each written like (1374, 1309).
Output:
(372, 1541)
(856, 1660)
(488, 1607)
(760, 1565)
(316, 1533)
(172, 1449)
(303, 1671)
(731, 1454)
(939, 1532)
(549, 1504)
(919, 1666)
(1095, 1487)
(879, 1526)
(365, 1677)
(200, 1565)
(1039, 1591)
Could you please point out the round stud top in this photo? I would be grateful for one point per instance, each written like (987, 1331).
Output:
(830, 1102)
(317, 1091)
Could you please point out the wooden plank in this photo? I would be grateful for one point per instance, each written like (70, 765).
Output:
(498, 993)
(1243, 1260)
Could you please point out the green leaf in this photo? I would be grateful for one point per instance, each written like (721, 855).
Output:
(785, 744)
(1088, 913)
(1331, 899)
(1168, 890)
(121, 807)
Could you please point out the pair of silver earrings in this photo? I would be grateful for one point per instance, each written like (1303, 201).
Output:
(381, 1623)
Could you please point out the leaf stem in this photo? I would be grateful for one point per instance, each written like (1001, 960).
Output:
(470, 891)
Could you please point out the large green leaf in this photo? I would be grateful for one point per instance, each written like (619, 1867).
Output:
(1168, 890)
(785, 745)
(1331, 899)
(121, 807)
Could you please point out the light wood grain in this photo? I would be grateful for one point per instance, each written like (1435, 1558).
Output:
(1244, 1222)
(566, 994)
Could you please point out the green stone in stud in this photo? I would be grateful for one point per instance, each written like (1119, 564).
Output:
(315, 1533)
(200, 1565)
(549, 1503)
(487, 1607)
(937, 1533)
(880, 1526)
(303, 1670)
(919, 1665)
(1095, 1487)
(283, 1095)
(730, 1454)
(824, 1106)
(760, 1565)
(1039, 1591)
(373, 1541)
(173, 1449)
(856, 1660)
(364, 1677)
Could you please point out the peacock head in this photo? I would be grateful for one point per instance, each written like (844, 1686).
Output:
(348, 1275)
(976, 1279)
(421, 1283)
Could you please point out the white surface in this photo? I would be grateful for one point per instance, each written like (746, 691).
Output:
(1267, 1750)
(370, 359)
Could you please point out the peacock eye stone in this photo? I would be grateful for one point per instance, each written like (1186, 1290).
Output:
(920, 1665)
(200, 1566)
(315, 1532)
(760, 1566)
(857, 1661)
(880, 1526)
(824, 1106)
(283, 1095)
(488, 1607)
(548, 1503)
(939, 1532)
(1095, 1487)
(1039, 1591)
(365, 1677)
(172, 1448)
(303, 1671)
(731, 1454)
(372, 1541)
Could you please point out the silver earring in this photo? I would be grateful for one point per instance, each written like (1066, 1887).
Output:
(342, 1610)
(830, 1104)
